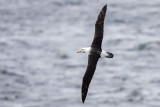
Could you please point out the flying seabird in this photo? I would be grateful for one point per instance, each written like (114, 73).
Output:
(94, 53)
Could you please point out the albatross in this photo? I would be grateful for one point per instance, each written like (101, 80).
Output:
(94, 53)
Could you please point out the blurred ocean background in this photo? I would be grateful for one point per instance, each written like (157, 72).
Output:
(39, 66)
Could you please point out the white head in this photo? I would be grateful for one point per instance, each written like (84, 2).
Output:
(84, 50)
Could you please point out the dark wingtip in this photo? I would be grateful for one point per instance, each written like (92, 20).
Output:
(105, 6)
(83, 101)
(104, 9)
(83, 97)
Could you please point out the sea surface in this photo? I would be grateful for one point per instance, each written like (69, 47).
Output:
(39, 66)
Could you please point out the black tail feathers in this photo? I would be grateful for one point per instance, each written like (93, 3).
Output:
(110, 55)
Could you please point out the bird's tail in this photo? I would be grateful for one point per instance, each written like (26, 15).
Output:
(110, 55)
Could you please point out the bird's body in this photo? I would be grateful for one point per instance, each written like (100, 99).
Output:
(94, 53)
(102, 53)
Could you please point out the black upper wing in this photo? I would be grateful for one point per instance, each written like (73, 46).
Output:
(97, 41)
(92, 62)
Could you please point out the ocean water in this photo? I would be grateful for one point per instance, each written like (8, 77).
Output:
(39, 66)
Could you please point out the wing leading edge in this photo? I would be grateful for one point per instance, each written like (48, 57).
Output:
(92, 62)
(98, 36)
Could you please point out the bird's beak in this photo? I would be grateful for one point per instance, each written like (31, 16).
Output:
(79, 51)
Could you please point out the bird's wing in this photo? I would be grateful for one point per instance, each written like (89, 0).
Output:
(92, 62)
(98, 36)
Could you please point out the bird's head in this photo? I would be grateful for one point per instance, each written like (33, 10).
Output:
(82, 50)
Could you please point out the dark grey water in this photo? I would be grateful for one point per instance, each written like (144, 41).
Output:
(39, 66)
